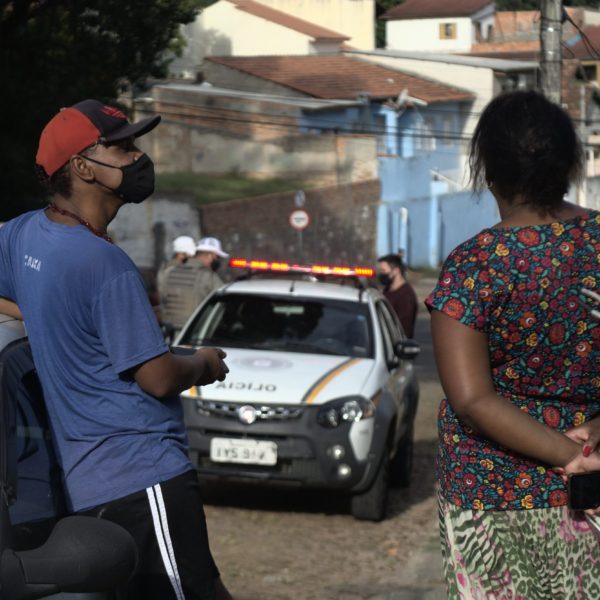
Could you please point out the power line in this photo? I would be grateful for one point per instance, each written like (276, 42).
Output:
(323, 124)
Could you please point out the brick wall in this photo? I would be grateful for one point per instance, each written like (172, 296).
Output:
(342, 229)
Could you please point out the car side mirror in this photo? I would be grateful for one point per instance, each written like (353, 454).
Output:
(82, 554)
(407, 349)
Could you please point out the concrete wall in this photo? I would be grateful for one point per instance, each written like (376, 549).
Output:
(428, 228)
(146, 231)
(342, 229)
(254, 137)
(423, 35)
(327, 159)
(354, 18)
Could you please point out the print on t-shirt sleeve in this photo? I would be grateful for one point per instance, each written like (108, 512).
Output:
(126, 323)
(7, 289)
(464, 290)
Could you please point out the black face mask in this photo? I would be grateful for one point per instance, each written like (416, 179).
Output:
(384, 279)
(215, 264)
(138, 179)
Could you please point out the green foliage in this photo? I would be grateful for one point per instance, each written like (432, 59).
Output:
(54, 53)
(209, 188)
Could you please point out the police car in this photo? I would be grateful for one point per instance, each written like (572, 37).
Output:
(321, 390)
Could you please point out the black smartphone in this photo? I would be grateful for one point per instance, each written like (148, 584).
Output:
(584, 490)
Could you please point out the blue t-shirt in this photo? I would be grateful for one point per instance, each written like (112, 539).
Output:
(89, 322)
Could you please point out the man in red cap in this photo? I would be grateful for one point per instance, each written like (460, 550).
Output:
(110, 383)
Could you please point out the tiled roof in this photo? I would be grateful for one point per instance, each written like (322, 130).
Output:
(577, 47)
(340, 77)
(430, 9)
(508, 49)
(286, 20)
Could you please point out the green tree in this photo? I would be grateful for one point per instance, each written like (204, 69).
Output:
(54, 53)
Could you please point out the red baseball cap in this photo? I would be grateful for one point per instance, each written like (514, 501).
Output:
(82, 125)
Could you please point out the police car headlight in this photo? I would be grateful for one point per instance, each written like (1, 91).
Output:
(345, 410)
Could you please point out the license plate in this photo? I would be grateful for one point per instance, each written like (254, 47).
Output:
(249, 452)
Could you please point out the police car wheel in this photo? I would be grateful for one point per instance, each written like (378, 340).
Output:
(402, 464)
(371, 505)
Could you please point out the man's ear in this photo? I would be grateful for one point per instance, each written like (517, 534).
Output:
(81, 168)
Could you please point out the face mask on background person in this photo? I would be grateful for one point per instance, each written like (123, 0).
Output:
(138, 179)
(215, 264)
(384, 279)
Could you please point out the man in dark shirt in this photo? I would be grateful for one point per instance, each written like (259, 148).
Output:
(400, 294)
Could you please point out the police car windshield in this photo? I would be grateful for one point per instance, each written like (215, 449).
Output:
(313, 326)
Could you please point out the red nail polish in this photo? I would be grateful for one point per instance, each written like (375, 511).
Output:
(587, 450)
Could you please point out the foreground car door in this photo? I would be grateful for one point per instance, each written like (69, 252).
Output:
(40, 551)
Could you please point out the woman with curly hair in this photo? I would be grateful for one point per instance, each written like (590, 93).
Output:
(517, 354)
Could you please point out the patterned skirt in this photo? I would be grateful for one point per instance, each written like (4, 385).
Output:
(540, 554)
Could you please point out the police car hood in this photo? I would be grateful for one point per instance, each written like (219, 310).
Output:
(262, 377)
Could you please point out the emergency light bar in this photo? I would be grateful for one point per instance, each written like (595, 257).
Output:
(281, 267)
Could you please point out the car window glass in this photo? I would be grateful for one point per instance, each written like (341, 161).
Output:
(283, 324)
(385, 332)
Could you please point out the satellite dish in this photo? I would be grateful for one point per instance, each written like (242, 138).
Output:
(402, 97)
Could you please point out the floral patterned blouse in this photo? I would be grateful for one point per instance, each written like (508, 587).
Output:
(521, 286)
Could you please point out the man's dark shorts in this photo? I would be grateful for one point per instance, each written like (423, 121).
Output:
(168, 525)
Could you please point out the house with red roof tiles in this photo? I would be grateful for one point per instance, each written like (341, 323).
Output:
(438, 25)
(269, 27)
(418, 122)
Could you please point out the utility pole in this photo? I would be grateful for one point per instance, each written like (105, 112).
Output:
(550, 39)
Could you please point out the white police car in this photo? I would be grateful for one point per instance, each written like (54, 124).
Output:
(321, 390)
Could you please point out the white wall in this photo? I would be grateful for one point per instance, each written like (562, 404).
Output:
(354, 18)
(224, 30)
(423, 35)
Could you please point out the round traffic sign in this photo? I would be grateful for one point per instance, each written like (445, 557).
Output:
(299, 219)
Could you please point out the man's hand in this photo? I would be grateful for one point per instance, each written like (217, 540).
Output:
(170, 374)
(215, 369)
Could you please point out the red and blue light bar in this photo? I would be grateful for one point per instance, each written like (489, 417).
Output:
(282, 267)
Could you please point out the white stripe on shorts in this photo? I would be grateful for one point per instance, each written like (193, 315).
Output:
(161, 530)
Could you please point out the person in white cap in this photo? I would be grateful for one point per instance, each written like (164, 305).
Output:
(187, 285)
(209, 252)
(184, 248)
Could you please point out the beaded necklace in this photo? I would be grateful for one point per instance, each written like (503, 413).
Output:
(85, 223)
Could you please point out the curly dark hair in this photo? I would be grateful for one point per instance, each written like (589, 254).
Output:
(59, 183)
(526, 145)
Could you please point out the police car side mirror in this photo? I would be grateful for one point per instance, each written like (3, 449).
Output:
(407, 349)
(82, 554)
